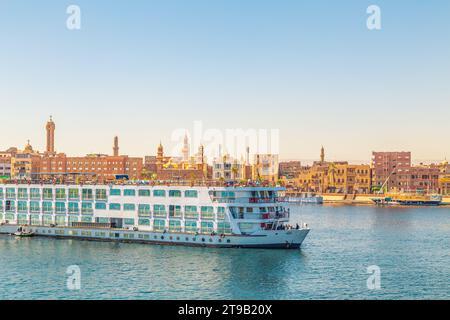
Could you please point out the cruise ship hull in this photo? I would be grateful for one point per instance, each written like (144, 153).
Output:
(271, 239)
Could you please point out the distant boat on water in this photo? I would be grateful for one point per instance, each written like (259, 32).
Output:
(306, 198)
(409, 199)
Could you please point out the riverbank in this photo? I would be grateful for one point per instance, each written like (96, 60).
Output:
(359, 198)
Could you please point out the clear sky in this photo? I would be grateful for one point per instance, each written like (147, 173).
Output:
(312, 69)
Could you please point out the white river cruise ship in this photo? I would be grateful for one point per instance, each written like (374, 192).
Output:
(247, 216)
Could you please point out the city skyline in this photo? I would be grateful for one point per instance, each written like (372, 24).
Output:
(144, 72)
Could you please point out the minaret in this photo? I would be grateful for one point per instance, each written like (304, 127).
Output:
(322, 155)
(50, 127)
(160, 153)
(185, 150)
(116, 147)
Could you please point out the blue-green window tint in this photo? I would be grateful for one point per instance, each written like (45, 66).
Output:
(10, 193)
(101, 195)
(175, 211)
(224, 228)
(10, 217)
(100, 206)
(22, 206)
(115, 192)
(60, 220)
(228, 194)
(144, 209)
(129, 222)
(207, 227)
(22, 219)
(86, 219)
(60, 207)
(74, 208)
(190, 212)
(129, 192)
(103, 220)
(144, 193)
(159, 193)
(207, 212)
(74, 219)
(35, 193)
(35, 207)
(1, 207)
(35, 220)
(47, 194)
(129, 207)
(175, 225)
(159, 210)
(74, 194)
(159, 225)
(190, 226)
(47, 220)
(47, 207)
(60, 194)
(10, 206)
(221, 213)
(87, 194)
(114, 206)
(191, 194)
(86, 208)
(144, 222)
(174, 193)
(22, 193)
(1, 193)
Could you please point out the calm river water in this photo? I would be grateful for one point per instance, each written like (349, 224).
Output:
(410, 246)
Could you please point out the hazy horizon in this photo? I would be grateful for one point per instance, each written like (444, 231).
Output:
(311, 70)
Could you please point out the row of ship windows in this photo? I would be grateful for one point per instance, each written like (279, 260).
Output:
(88, 207)
(88, 194)
(190, 226)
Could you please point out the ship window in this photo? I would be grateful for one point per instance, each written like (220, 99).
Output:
(224, 228)
(100, 194)
(207, 227)
(159, 193)
(100, 206)
(23, 193)
(174, 193)
(191, 194)
(190, 226)
(115, 192)
(60, 194)
(87, 194)
(175, 225)
(144, 222)
(144, 193)
(114, 206)
(159, 225)
(129, 207)
(129, 192)
(74, 194)
(128, 221)
(35, 193)
(47, 207)
(48, 193)
(73, 207)
(144, 209)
